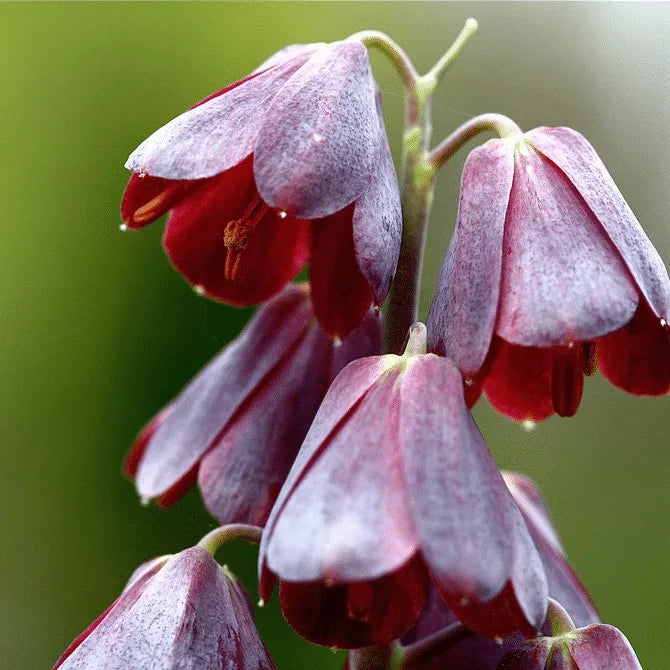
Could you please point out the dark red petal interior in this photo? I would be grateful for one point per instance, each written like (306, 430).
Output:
(636, 358)
(273, 250)
(146, 198)
(340, 293)
(500, 617)
(358, 614)
(519, 380)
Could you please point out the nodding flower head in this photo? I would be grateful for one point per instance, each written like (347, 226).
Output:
(394, 486)
(181, 611)
(549, 276)
(289, 165)
(237, 426)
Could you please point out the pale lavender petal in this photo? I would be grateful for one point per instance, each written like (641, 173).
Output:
(377, 223)
(462, 316)
(205, 406)
(573, 154)
(318, 147)
(242, 474)
(463, 512)
(147, 569)
(216, 135)
(602, 647)
(289, 52)
(562, 280)
(189, 616)
(342, 397)
(347, 519)
(564, 584)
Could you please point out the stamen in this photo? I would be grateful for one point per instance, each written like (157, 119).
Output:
(567, 379)
(147, 211)
(590, 358)
(236, 238)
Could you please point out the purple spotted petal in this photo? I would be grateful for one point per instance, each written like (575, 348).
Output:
(463, 313)
(564, 584)
(377, 224)
(216, 135)
(562, 279)
(188, 615)
(204, 407)
(602, 647)
(346, 519)
(469, 529)
(577, 159)
(318, 147)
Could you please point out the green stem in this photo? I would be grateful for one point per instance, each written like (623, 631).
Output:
(417, 197)
(437, 71)
(216, 538)
(483, 123)
(376, 658)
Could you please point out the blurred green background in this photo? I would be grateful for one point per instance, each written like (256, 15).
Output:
(98, 332)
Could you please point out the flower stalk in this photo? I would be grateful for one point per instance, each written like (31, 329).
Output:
(216, 538)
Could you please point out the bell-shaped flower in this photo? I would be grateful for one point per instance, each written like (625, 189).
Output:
(238, 425)
(287, 165)
(182, 611)
(594, 647)
(393, 485)
(549, 275)
(483, 653)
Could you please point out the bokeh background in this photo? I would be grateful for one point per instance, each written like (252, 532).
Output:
(98, 332)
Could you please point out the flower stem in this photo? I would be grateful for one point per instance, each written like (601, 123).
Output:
(376, 658)
(216, 538)
(402, 63)
(442, 65)
(418, 178)
(415, 654)
(483, 123)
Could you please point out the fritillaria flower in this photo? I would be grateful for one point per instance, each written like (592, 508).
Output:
(549, 275)
(482, 653)
(595, 647)
(393, 485)
(287, 165)
(181, 612)
(238, 425)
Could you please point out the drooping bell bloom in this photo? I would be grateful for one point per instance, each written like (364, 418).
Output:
(482, 653)
(595, 647)
(287, 165)
(182, 611)
(549, 275)
(394, 485)
(238, 425)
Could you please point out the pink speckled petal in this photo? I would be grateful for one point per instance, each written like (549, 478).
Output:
(216, 134)
(463, 313)
(318, 146)
(205, 406)
(189, 615)
(577, 159)
(377, 224)
(562, 279)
